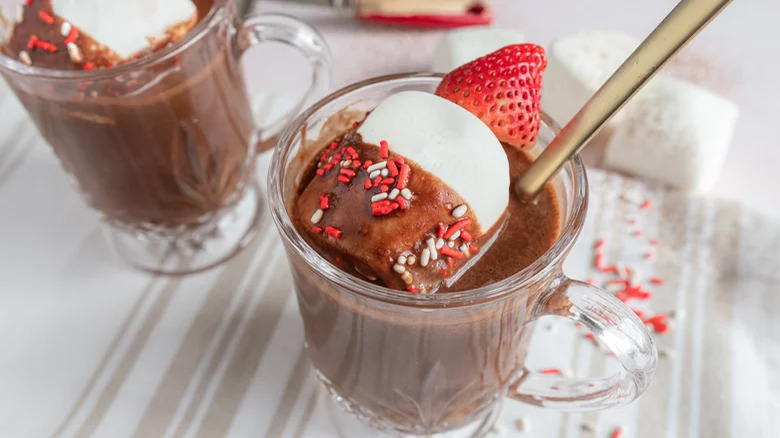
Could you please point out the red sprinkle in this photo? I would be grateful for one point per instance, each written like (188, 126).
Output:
(316, 230)
(617, 433)
(383, 207)
(466, 236)
(344, 179)
(48, 19)
(333, 232)
(392, 168)
(383, 149)
(383, 188)
(473, 248)
(600, 244)
(324, 202)
(338, 261)
(324, 157)
(648, 255)
(591, 336)
(72, 35)
(402, 202)
(451, 252)
(356, 164)
(400, 160)
(454, 228)
(443, 272)
(367, 164)
(637, 233)
(321, 172)
(450, 262)
(45, 45)
(440, 230)
(367, 184)
(591, 281)
(349, 172)
(354, 124)
(548, 371)
(658, 322)
(657, 280)
(329, 166)
(403, 177)
(337, 156)
(653, 242)
(334, 146)
(646, 205)
(377, 180)
(89, 66)
(388, 181)
(33, 42)
(411, 289)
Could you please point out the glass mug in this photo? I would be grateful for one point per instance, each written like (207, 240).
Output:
(419, 364)
(161, 146)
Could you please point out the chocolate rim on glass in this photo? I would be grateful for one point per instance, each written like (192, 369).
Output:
(160, 145)
(420, 364)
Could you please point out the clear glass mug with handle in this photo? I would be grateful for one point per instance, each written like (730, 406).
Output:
(422, 365)
(160, 145)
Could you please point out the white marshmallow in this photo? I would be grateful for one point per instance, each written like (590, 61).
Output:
(460, 46)
(674, 132)
(449, 142)
(577, 65)
(125, 26)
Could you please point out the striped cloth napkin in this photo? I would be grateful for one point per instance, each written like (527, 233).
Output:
(89, 347)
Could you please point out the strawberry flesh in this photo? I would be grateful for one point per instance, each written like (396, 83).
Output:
(503, 89)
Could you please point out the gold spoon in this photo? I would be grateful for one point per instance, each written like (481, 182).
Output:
(679, 27)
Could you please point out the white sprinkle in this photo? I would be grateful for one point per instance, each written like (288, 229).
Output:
(455, 236)
(399, 268)
(74, 52)
(566, 372)
(25, 57)
(635, 276)
(522, 425)
(317, 216)
(439, 243)
(460, 210)
(432, 248)
(465, 250)
(407, 194)
(385, 172)
(379, 197)
(65, 28)
(411, 260)
(346, 163)
(401, 259)
(614, 288)
(20, 13)
(425, 257)
(451, 244)
(376, 166)
(394, 194)
(407, 277)
(373, 174)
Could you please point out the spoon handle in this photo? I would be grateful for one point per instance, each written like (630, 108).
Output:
(679, 27)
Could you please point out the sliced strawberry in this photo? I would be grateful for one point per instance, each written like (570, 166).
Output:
(503, 89)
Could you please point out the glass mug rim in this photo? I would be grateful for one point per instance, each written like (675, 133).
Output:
(510, 285)
(159, 56)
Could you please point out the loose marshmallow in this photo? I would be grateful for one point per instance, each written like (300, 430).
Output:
(674, 132)
(449, 142)
(125, 26)
(577, 65)
(460, 46)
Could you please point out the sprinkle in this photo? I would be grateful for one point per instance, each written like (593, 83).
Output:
(460, 210)
(338, 261)
(383, 188)
(466, 236)
(25, 57)
(657, 280)
(391, 166)
(551, 371)
(19, 13)
(402, 203)
(411, 289)
(403, 176)
(333, 232)
(356, 164)
(443, 272)
(383, 207)
(383, 149)
(378, 197)
(439, 243)
(316, 230)
(399, 268)
(450, 243)
(473, 248)
(349, 172)
(637, 233)
(344, 179)
(317, 216)
(333, 146)
(354, 124)
(465, 250)
(449, 252)
(367, 164)
(367, 185)
(400, 160)
(377, 180)
(385, 173)
(407, 194)
(45, 45)
(648, 255)
(653, 242)
(401, 259)
(394, 194)
(324, 202)
(411, 260)
(441, 229)
(75, 56)
(337, 155)
(455, 236)
(65, 29)
(48, 19)
(407, 277)
(346, 163)
(450, 262)
(374, 174)
(522, 425)
(376, 166)
(89, 66)
(617, 433)
(599, 244)
(646, 204)
(32, 42)
(432, 248)
(425, 257)
(459, 225)
(388, 181)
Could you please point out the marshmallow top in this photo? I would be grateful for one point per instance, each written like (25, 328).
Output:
(125, 26)
(449, 142)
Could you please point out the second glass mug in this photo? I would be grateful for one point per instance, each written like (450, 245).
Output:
(418, 364)
(160, 146)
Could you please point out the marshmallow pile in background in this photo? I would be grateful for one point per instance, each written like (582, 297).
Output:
(672, 131)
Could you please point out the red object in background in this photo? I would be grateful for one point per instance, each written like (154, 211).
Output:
(473, 14)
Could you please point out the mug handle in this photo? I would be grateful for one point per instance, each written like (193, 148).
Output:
(615, 326)
(260, 28)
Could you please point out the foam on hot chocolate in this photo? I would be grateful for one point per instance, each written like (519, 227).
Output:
(449, 142)
(128, 27)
